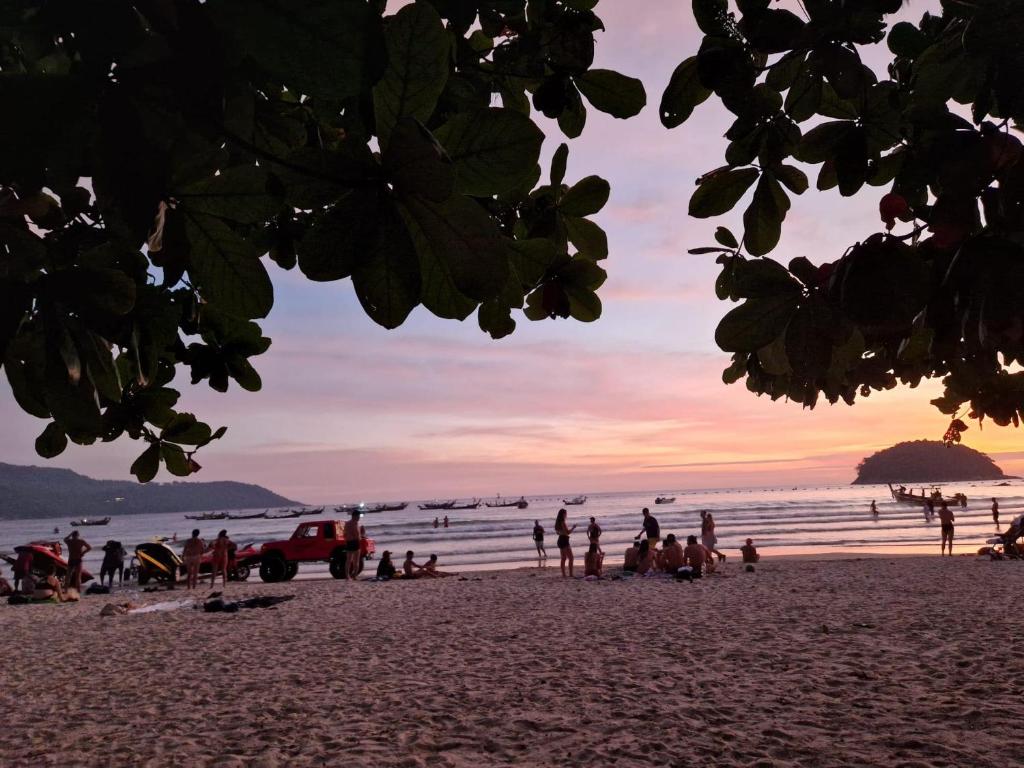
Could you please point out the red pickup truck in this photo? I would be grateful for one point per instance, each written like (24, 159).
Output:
(318, 541)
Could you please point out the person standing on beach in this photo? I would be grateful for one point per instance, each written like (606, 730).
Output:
(651, 529)
(77, 548)
(221, 550)
(594, 534)
(874, 509)
(946, 518)
(995, 514)
(192, 554)
(352, 542)
(538, 540)
(22, 567)
(113, 562)
(707, 534)
(564, 548)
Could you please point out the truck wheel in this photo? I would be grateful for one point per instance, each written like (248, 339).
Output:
(290, 570)
(337, 566)
(242, 573)
(273, 569)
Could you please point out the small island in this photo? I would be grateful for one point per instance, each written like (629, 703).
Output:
(927, 461)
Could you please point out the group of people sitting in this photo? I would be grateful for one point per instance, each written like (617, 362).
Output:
(410, 568)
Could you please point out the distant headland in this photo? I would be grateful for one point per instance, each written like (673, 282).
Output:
(32, 492)
(927, 461)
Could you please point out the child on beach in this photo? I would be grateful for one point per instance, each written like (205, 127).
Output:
(430, 568)
(538, 540)
(385, 568)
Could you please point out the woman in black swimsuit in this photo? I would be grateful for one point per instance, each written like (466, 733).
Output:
(563, 530)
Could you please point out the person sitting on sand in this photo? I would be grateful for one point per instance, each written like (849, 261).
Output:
(50, 588)
(671, 554)
(221, 547)
(749, 552)
(430, 568)
(385, 568)
(946, 518)
(593, 561)
(645, 558)
(77, 549)
(192, 555)
(410, 570)
(695, 556)
(5, 587)
(629, 565)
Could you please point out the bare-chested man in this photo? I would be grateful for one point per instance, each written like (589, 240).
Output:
(192, 554)
(77, 547)
(671, 554)
(946, 518)
(629, 564)
(352, 540)
(410, 570)
(695, 555)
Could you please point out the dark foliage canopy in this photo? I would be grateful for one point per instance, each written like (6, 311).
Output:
(926, 461)
(939, 293)
(153, 152)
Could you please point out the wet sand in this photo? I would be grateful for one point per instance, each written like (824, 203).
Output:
(883, 661)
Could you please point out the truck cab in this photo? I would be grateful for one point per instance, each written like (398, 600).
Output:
(314, 541)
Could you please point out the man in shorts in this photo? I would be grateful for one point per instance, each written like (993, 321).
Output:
(77, 548)
(352, 540)
(651, 528)
(192, 554)
(594, 533)
(946, 518)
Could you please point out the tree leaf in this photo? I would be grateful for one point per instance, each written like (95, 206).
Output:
(611, 92)
(558, 163)
(590, 240)
(418, 53)
(532, 258)
(175, 460)
(52, 441)
(416, 163)
(463, 258)
(720, 191)
(820, 143)
(573, 116)
(804, 95)
(492, 150)
(585, 197)
(755, 323)
(711, 16)
(339, 238)
(227, 269)
(762, 278)
(762, 221)
(793, 178)
(238, 194)
(682, 95)
(726, 238)
(387, 279)
(145, 467)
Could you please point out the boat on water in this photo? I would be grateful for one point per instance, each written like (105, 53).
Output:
(288, 514)
(387, 507)
(257, 516)
(310, 512)
(521, 502)
(208, 516)
(932, 494)
(576, 500)
(474, 504)
(87, 521)
(438, 504)
(665, 500)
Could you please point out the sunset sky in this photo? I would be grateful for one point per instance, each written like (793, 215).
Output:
(350, 411)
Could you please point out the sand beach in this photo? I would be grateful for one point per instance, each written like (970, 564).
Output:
(881, 661)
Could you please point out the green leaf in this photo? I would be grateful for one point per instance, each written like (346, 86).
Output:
(558, 163)
(590, 240)
(387, 279)
(762, 221)
(820, 143)
(95, 290)
(175, 460)
(804, 95)
(711, 16)
(314, 177)
(793, 178)
(323, 48)
(227, 269)
(493, 150)
(418, 53)
(808, 339)
(185, 429)
(755, 323)
(720, 190)
(573, 116)
(416, 163)
(762, 278)
(726, 238)
(683, 94)
(532, 258)
(52, 441)
(463, 258)
(586, 197)
(611, 92)
(332, 246)
(238, 194)
(145, 467)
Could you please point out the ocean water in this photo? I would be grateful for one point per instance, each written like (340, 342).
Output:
(822, 521)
